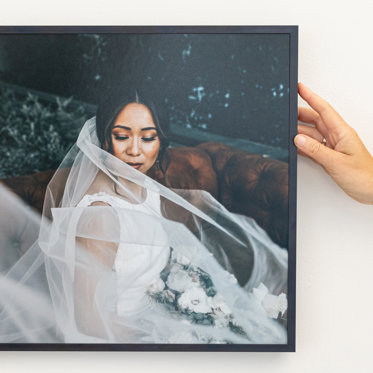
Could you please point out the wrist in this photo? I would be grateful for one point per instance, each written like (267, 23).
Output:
(366, 182)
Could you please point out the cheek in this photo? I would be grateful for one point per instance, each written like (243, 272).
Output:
(117, 149)
(152, 151)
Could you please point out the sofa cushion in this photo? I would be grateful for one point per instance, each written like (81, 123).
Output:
(254, 186)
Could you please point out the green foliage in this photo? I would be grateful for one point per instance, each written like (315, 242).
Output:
(35, 135)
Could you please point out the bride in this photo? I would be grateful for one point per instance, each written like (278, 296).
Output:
(129, 260)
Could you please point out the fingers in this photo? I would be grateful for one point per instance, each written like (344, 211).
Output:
(321, 154)
(311, 132)
(330, 118)
(310, 116)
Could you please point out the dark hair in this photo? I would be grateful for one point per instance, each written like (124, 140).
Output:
(110, 107)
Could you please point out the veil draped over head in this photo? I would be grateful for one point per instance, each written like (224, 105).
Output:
(122, 258)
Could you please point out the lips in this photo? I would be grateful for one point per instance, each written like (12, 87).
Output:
(134, 165)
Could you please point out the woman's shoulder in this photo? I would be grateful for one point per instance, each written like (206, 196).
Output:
(99, 193)
(101, 184)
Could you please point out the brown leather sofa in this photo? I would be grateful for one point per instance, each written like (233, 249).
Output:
(244, 183)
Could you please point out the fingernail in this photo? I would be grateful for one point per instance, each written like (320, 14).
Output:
(299, 140)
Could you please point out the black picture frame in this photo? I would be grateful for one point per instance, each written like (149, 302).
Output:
(292, 32)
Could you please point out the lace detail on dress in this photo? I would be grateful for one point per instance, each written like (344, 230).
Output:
(151, 202)
(88, 199)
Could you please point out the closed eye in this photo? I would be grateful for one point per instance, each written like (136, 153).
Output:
(148, 139)
(117, 137)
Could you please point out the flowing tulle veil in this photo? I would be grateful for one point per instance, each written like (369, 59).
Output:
(60, 291)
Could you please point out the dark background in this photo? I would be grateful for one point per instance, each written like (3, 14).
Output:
(233, 85)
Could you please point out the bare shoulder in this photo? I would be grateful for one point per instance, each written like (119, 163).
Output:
(101, 183)
(98, 192)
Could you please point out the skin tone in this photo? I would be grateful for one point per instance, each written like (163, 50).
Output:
(344, 156)
(134, 137)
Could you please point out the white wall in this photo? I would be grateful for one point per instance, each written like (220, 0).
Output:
(335, 243)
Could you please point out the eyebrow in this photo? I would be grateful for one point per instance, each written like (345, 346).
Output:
(130, 129)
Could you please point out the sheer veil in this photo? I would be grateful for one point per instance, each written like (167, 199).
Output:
(72, 286)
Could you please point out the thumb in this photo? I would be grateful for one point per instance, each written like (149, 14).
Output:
(320, 153)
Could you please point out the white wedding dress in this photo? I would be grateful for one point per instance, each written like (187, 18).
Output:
(137, 269)
(170, 278)
(136, 266)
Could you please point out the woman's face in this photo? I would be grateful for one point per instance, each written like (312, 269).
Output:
(134, 137)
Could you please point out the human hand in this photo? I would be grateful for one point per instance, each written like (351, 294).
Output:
(343, 156)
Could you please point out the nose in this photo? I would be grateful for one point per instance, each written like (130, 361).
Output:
(134, 148)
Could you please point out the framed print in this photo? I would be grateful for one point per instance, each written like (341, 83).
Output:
(148, 185)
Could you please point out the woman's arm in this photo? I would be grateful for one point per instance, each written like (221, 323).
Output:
(96, 260)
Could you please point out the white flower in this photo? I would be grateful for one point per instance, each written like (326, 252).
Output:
(179, 280)
(218, 305)
(272, 304)
(176, 267)
(276, 303)
(260, 292)
(282, 303)
(157, 286)
(195, 300)
(179, 258)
